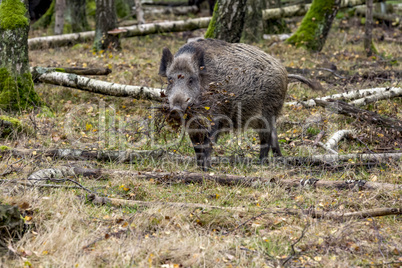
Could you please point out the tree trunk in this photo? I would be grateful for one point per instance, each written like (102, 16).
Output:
(59, 20)
(227, 21)
(78, 16)
(16, 86)
(253, 23)
(139, 12)
(368, 34)
(106, 20)
(316, 24)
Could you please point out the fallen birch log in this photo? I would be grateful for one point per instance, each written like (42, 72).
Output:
(377, 212)
(160, 155)
(138, 92)
(224, 179)
(337, 136)
(143, 29)
(99, 86)
(392, 18)
(350, 95)
(381, 95)
(38, 71)
(178, 10)
(164, 3)
(301, 9)
(344, 108)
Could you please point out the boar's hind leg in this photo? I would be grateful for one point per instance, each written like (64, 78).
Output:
(265, 144)
(274, 141)
(269, 139)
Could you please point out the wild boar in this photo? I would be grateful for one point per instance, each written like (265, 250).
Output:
(237, 86)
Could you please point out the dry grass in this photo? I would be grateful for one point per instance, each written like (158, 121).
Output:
(65, 230)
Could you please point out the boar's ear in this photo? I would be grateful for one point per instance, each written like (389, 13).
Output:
(199, 59)
(166, 60)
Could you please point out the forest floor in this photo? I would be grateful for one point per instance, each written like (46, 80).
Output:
(65, 229)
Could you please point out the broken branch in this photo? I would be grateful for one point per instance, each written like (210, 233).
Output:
(344, 108)
(298, 212)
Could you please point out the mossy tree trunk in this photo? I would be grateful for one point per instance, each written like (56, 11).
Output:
(316, 24)
(227, 20)
(78, 15)
(46, 19)
(253, 23)
(106, 20)
(16, 86)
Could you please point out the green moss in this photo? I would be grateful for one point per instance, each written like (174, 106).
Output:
(12, 14)
(67, 27)
(123, 8)
(46, 19)
(373, 48)
(60, 70)
(14, 125)
(211, 27)
(15, 122)
(4, 148)
(91, 8)
(313, 21)
(17, 93)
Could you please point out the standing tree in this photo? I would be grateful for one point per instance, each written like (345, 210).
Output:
(316, 24)
(368, 34)
(227, 20)
(106, 20)
(78, 15)
(16, 86)
(59, 20)
(253, 23)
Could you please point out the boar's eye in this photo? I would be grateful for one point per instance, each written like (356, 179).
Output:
(190, 80)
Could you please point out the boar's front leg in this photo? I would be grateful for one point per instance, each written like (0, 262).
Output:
(202, 150)
(202, 143)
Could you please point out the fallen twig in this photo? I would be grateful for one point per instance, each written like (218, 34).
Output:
(294, 244)
(136, 203)
(344, 108)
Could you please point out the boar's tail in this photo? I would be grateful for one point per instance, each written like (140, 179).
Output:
(315, 85)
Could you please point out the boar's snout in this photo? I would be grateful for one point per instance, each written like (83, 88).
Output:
(179, 103)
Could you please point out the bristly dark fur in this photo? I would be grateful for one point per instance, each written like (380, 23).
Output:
(226, 84)
(167, 59)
